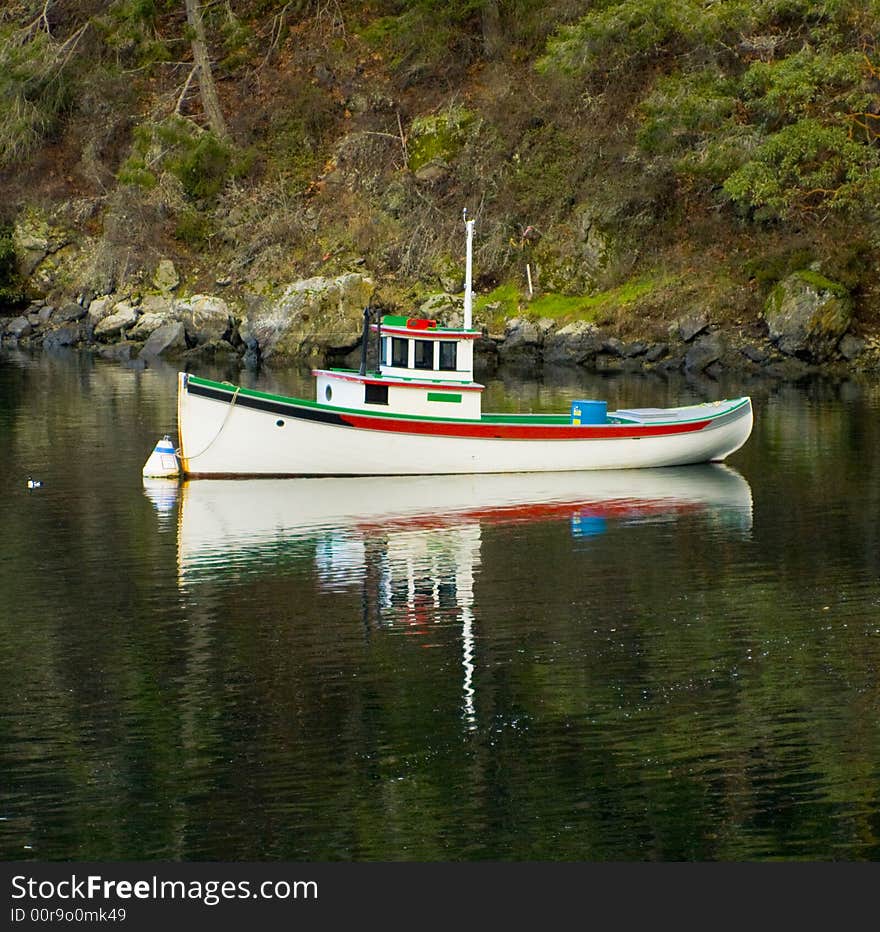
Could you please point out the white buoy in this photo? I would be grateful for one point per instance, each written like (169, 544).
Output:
(163, 463)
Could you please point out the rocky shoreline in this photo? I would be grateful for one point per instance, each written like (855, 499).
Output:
(806, 327)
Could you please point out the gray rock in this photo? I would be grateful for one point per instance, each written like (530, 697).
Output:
(158, 304)
(66, 335)
(146, 325)
(612, 347)
(690, 326)
(572, 258)
(122, 318)
(575, 344)
(657, 352)
(35, 238)
(310, 319)
(522, 344)
(807, 315)
(19, 328)
(168, 339)
(705, 351)
(486, 351)
(446, 309)
(433, 172)
(166, 278)
(206, 318)
(756, 354)
(851, 347)
(637, 348)
(99, 309)
(251, 358)
(70, 312)
(215, 351)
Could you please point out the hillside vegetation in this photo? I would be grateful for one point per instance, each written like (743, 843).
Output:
(680, 154)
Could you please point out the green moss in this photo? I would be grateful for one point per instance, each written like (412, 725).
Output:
(769, 268)
(591, 307)
(498, 305)
(507, 301)
(773, 304)
(438, 136)
(821, 283)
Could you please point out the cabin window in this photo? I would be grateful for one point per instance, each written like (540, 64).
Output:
(448, 360)
(399, 352)
(376, 394)
(424, 356)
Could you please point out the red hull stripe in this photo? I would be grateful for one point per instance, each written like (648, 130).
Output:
(523, 431)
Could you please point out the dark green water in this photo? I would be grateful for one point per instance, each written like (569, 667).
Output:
(682, 666)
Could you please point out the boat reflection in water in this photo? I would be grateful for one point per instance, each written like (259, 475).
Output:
(412, 544)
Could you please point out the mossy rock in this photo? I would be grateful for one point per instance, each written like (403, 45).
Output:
(311, 319)
(572, 258)
(807, 315)
(35, 237)
(438, 137)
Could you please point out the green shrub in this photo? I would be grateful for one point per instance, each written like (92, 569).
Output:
(804, 84)
(11, 285)
(130, 28)
(803, 165)
(683, 109)
(202, 163)
(193, 228)
(612, 35)
(427, 37)
(35, 88)
(202, 166)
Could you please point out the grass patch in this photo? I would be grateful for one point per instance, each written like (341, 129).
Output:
(507, 301)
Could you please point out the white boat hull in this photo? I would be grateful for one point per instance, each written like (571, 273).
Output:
(230, 432)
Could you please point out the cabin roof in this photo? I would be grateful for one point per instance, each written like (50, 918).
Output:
(422, 328)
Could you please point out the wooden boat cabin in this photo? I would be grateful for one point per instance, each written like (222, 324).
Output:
(424, 370)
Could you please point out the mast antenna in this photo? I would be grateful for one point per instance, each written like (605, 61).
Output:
(468, 272)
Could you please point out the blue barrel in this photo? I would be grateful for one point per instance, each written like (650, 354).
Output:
(589, 412)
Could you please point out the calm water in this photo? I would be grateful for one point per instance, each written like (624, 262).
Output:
(680, 664)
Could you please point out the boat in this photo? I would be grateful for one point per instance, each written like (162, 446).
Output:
(419, 412)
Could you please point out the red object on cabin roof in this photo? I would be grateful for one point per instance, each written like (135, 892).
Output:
(421, 323)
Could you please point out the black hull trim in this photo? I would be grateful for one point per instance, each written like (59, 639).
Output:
(271, 407)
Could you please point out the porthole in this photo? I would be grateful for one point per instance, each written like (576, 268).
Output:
(328, 393)
(279, 423)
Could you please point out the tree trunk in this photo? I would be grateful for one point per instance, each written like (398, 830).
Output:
(492, 35)
(210, 101)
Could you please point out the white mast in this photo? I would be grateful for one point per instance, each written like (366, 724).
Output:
(468, 273)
